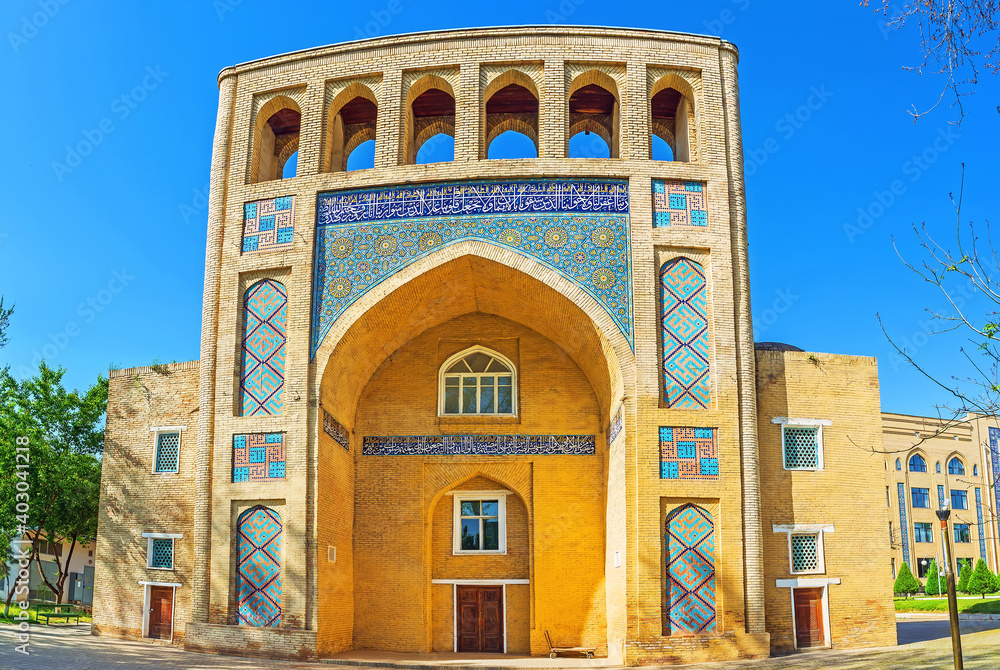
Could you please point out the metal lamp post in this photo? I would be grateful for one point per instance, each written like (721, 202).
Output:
(956, 633)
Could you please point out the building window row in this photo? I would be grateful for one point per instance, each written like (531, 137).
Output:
(509, 115)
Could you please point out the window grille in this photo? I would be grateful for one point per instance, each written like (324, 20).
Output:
(801, 446)
(478, 382)
(805, 553)
(167, 450)
(162, 551)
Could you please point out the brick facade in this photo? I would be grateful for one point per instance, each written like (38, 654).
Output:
(363, 535)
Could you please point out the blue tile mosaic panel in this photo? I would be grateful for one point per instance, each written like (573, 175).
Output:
(265, 314)
(687, 383)
(258, 457)
(688, 453)
(577, 228)
(679, 203)
(940, 496)
(258, 568)
(616, 426)
(479, 445)
(268, 224)
(904, 531)
(333, 428)
(691, 572)
(982, 526)
(994, 433)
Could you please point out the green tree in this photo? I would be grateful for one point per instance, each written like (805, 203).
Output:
(906, 583)
(996, 583)
(981, 580)
(4, 322)
(58, 432)
(965, 572)
(932, 587)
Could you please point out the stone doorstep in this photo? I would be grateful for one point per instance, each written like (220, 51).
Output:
(456, 662)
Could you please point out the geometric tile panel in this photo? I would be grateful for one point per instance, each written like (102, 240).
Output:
(478, 445)
(995, 462)
(903, 530)
(163, 553)
(688, 453)
(265, 316)
(258, 568)
(679, 203)
(268, 224)
(333, 428)
(684, 328)
(982, 528)
(940, 496)
(690, 572)
(578, 228)
(616, 426)
(258, 457)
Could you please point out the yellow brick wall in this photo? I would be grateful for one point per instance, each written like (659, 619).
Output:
(848, 493)
(555, 515)
(134, 500)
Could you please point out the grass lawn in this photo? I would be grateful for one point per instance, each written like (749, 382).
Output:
(33, 615)
(990, 605)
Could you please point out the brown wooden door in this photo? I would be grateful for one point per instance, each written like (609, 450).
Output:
(809, 618)
(161, 611)
(480, 619)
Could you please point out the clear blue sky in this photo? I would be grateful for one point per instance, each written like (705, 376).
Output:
(105, 260)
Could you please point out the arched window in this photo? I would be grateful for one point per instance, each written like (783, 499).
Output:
(275, 139)
(262, 382)
(672, 118)
(352, 118)
(975, 470)
(477, 381)
(511, 107)
(956, 467)
(917, 463)
(430, 111)
(258, 568)
(937, 466)
(594, 108)
(899, 464)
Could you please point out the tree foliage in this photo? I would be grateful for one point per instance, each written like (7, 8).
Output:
(906, 583)
(933, 585)
(964, 574)
(959, 39)
(981, 581)
(4, 322)
(58, 432)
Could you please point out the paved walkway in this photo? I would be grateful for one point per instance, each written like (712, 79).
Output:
(61, 647)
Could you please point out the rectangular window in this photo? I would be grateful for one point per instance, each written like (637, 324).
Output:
(168, 447)
(888, 500)
(921, 497)
(922, 532)
(923, 566)
(801, 446)
(480, 523)
(160, 553)
(892, 534)
(960, 500)
(805, 553)
(962, 533)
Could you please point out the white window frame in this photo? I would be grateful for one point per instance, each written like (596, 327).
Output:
(489, 352)
(462, 496)
(818, 424)
(818, 530)
(173, 548)
(157, 431)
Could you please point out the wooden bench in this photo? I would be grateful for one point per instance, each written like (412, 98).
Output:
(555, 651)
(58, 612)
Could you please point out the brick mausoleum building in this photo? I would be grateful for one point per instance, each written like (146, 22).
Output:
(455, 406)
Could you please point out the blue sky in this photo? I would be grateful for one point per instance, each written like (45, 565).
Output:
(103, 254)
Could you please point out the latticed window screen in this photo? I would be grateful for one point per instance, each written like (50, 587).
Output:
(163, 553)
(801, 447)
(167, 448)
(805, 553)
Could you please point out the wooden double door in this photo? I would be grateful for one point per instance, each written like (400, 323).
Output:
(161, 612)
(480, 619)
(809, 618)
